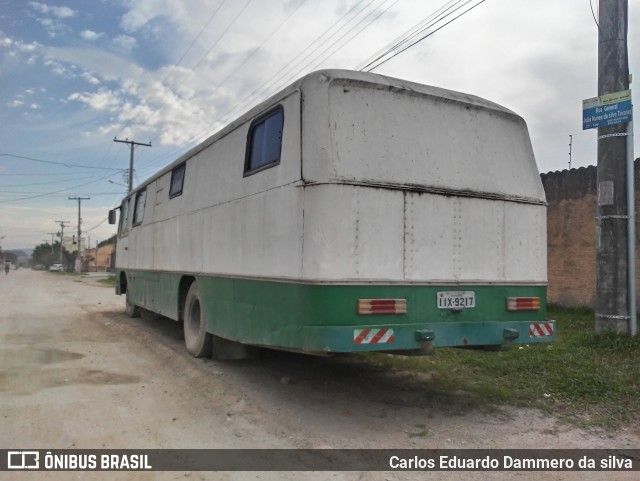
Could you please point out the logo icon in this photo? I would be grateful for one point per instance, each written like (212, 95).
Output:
(23, 460)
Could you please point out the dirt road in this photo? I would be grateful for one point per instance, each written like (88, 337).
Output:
(76, 373)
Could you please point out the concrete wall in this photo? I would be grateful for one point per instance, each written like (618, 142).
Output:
(571, 234)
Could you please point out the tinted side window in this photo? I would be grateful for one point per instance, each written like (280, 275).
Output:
(177, 180)
(264, 142)
(138, 211)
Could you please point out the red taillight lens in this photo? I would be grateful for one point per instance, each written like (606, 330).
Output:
(382, 306)
(523, 303)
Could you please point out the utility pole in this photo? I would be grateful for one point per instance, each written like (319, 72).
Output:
(615, 275)
(62, 224)
(570, 145)
(78, 258)
(132, 145)
(52, 234)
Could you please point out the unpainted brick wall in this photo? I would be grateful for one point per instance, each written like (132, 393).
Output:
(571, 234)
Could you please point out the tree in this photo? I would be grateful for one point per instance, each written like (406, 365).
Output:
(45, 255)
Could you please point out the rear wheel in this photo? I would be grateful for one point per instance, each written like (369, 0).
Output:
(196, 338)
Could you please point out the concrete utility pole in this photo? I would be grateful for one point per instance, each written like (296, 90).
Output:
(132, 145)
(62, 224)
(614, 299)
(52, 234)
(78, 257)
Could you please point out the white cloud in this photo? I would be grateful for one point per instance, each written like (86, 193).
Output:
(142, 12)
(90, 35)
(60, 69)
(15, 104)
(100, 100)
(126, 42)
(90, 78)
(59, 12)
(18, 46)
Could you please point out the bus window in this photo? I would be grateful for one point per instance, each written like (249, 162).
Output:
(264, 142)
(124, 216)
(138, 212)
(177, 181)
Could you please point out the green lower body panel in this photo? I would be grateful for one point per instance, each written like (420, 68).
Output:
(324, 318)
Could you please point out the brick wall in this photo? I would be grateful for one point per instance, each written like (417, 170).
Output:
(571, 234)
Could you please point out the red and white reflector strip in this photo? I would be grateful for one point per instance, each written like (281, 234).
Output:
(380, 335)
(541, 329)
(382, 306)
(523, 303)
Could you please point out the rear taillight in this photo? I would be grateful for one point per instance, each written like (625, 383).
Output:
(523, 303)
(382, 306)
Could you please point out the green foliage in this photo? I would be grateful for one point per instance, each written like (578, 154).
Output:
(45, 255)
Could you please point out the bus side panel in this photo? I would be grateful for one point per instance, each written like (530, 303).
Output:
(155, 291)
(260, 235)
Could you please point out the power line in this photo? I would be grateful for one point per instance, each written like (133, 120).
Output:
(65, 164)
(355, 34)
(213, 15)
(256, 50)
(411, 44)
(193, 69)
(268, 84)
(277, 82)
(132, 145)
(47, 194)
(415, 30)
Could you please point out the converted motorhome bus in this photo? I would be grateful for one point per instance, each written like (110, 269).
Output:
(349, 212)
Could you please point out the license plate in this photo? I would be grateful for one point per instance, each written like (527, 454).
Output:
(456, 299)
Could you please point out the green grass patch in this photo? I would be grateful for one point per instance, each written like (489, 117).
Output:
(108, 281)
(591, 379)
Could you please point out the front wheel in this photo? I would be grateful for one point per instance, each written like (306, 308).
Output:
(196, 338)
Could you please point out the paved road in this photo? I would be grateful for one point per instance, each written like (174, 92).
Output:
(76, 373)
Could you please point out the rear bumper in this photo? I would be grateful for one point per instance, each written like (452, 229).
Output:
(423, 337)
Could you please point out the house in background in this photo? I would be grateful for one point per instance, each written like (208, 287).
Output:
(98, 259)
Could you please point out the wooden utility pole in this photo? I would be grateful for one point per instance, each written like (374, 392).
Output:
(79, 255)
(62, 224)
(132, 145)
(612, 268)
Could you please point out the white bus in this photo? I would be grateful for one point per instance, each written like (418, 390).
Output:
(349, 212)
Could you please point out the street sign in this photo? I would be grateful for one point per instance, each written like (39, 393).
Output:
(607, 110)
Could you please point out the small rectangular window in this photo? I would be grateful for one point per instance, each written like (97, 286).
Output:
(138, 211)
(124, 216)
(177, 180)
(264, 142)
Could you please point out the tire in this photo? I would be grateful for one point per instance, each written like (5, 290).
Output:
(132, 309)
(196, 338)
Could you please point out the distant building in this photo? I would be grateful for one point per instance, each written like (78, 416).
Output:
(98, 259)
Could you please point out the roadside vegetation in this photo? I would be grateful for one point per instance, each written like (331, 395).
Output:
(108, 281)
(590, 379)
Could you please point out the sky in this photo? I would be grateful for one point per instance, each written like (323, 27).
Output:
(75, 74)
